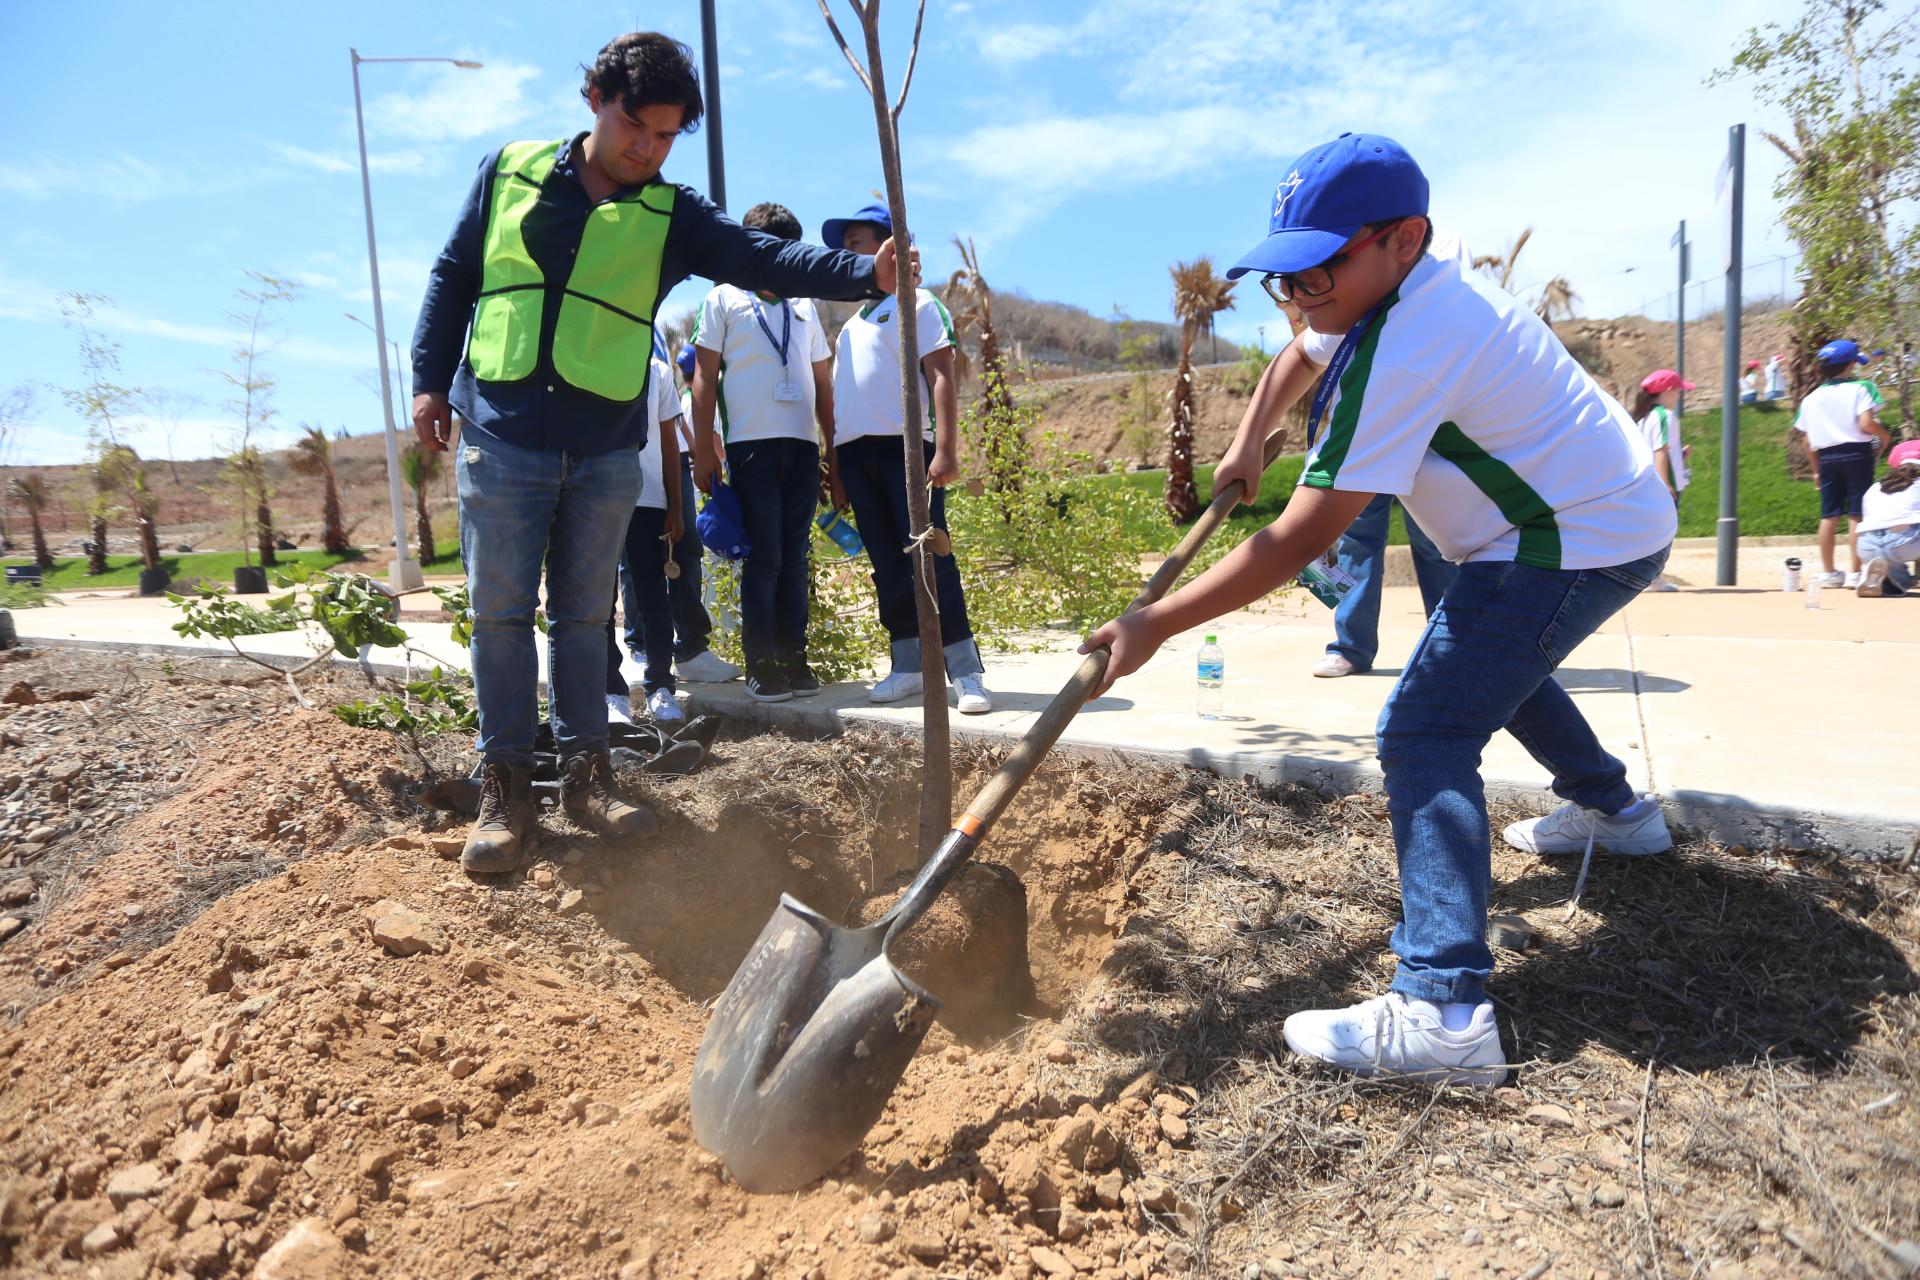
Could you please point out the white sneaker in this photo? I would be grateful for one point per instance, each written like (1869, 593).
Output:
(1873, 579)
(901, 684)
(1332, 666)
(1852, 581)
(1573, 829)
(1661, 584)
(1834, 579)
(972, 696)
(664, 707)
(707, 667)
(1392, 1035)
(619, 709)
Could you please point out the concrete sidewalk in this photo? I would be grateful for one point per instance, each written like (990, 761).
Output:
(1755, 719)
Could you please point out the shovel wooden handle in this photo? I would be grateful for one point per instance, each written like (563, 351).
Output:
(1038, 740)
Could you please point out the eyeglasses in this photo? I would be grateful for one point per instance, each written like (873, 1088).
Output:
(1281, 286)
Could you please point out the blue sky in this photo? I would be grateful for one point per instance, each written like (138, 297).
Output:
(153, 153)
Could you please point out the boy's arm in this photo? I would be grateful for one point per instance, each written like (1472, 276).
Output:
(670, 477)
(717, 247)
(707, 455)
(1312, 520)
(823, 414)
(1290, 376)
(1870, 423)
(453, 283)
(945, 469)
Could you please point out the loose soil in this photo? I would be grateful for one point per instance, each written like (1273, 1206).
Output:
(215, 1069)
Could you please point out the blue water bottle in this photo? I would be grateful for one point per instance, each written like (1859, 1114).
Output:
(838, 526)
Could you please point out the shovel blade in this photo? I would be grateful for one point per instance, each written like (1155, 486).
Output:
(804, 1048)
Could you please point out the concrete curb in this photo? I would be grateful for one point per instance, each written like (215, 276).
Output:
(1729, 819)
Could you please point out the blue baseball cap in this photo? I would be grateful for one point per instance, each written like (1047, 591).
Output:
(1329, 194)
(833, 232)
(1841, 351)
(685, 360)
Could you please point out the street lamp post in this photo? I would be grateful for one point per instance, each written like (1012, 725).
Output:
(404, 572)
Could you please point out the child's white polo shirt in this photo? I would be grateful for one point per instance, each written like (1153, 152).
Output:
(663, 406)
(1464, 404)
(764, 396)
(866, 369)
(1830, 414)
(1662, 432)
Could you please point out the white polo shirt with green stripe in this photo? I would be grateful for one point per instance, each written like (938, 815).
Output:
(866, 366)
(1462, 403)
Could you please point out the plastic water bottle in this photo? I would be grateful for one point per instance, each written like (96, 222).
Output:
(1813, 588)
(837, 525)
(1790, 581)
(1213, 677)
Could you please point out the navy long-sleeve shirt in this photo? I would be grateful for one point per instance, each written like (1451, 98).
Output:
(544, 412)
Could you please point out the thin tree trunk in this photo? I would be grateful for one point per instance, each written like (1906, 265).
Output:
(97, 561)
(149, 543)
(1182, 499)
(333, 522)
(422, 526)
(936, 781)
(263, 535)
(41, 556)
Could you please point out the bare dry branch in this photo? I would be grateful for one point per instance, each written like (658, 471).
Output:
(913, 56)
(841, 40)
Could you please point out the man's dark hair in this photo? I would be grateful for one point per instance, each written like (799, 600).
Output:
(775, 219)
(645, 68)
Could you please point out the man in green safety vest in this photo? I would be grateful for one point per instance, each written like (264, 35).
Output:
(537, 326)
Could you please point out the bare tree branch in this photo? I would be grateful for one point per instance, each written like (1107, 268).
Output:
(841, 40)
(913, 56)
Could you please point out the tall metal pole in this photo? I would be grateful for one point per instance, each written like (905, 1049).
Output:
(1680, 321)
(404, 573)
(1729, 528)
(710, 63)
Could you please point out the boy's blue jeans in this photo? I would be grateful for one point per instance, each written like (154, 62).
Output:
(522, 510)
(779, 486)
(1485, 663)
(1363, 554)
(692, 627)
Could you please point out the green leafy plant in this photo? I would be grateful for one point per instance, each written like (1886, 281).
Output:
(213, 613)
(440, 702)
(844, 635)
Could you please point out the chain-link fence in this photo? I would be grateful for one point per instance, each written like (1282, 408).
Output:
(1770, 286)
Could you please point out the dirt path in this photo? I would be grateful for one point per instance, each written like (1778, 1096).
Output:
(239, 1079)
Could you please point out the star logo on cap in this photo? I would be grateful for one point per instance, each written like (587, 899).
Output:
(1284, 192)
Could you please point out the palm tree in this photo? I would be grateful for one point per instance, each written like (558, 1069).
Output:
(107, 475)
(970, 301)
(1501, 265)
(313, 456)
(1557, 300)
(30, 491)
(1198, 295)
(420, 467)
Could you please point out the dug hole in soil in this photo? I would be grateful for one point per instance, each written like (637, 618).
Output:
(262, 1024)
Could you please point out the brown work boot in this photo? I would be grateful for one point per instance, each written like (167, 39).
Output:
(586, 790)
(506, 811)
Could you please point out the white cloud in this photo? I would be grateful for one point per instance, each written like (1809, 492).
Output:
(347, 161)
(449, 104)
(119, 178)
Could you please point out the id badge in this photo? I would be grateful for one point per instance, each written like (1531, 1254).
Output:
(1329, 583)
(786, 391)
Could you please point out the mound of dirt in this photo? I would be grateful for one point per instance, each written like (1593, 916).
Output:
(358, 1061)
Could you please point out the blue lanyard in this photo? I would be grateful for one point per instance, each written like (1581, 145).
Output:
(1335, 367)
(786, 326)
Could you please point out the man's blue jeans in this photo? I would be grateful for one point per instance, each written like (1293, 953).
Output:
(1363, 553)
(1485, 663)
(520, 510)
(779, 486)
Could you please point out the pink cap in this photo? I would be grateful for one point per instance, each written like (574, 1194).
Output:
(1905, 452)
(1663, 380)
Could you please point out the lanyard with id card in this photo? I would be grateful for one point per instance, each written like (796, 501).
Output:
(1323, 576)
(785, 391)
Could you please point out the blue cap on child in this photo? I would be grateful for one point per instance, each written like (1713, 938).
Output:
(1329, 194)
(1841, 351)
(833, 232)
(685, 360)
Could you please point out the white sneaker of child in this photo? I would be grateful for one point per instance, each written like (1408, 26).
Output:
(901, 684)
(664, 707)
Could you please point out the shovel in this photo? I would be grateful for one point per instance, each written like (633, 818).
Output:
(808, 1041)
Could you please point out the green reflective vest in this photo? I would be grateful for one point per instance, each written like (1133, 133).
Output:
(602, 332)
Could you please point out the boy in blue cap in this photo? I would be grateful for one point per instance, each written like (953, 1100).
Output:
(1841, 422)
(872, 470)
(1442, 390)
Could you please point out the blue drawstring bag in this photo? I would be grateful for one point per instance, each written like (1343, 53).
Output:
(721, 524)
